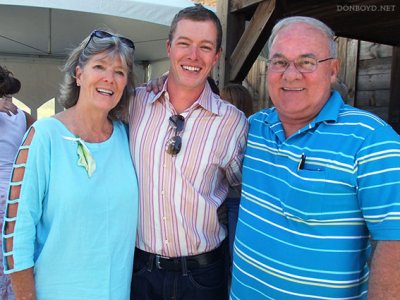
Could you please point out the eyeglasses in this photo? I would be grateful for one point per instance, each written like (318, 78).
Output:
(302, 64)
(104, 34)
(174, 144)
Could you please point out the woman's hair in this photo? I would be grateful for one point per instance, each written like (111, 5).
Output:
(9, 85)
(239, 96)
(310, 21)
(213, 85)
(92, 45)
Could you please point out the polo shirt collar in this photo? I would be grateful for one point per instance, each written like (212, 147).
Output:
(329, 111)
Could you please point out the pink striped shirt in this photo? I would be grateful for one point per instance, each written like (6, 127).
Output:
(180, 195)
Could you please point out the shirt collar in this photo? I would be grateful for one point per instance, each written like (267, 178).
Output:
(328, 113)
(159, 94)
(207, 100)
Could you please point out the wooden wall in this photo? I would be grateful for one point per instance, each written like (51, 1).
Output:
(255, 82)
(373, 80)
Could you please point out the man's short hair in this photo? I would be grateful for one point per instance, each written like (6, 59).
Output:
(197, 13)
(317, 24)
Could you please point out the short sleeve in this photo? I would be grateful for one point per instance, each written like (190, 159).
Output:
(378, 178)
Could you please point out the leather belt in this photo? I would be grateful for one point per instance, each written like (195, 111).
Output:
(175, 263)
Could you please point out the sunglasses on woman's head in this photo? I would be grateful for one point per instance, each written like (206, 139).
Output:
(100, 34)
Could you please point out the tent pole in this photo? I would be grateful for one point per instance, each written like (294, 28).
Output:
(50, 29)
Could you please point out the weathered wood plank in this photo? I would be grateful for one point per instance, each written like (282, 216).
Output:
(351, 69)
(370, 50)
(376, 98)
(375, 66)
(341, 53)
(250, 37)
(242, 4)
(233, 26)
(219, 71)
(373, 82)
(256, 83)
(348, 56)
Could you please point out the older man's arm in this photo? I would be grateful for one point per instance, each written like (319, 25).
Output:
(384, 280)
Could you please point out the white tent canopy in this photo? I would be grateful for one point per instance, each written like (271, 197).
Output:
(49, 27)
(35, 36)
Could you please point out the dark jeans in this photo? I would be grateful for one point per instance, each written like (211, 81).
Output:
(232, 207)
(203, 283)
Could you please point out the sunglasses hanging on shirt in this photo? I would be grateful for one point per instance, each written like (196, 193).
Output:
(174, 144)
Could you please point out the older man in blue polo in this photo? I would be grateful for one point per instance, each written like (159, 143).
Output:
(320, 178)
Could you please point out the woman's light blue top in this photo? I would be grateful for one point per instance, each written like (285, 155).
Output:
(78, 232)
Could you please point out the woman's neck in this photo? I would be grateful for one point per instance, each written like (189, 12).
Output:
(90, 127)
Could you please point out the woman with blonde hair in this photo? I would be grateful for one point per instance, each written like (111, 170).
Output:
(70, 224)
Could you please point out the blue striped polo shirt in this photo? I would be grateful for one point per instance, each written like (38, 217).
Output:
(310, 203)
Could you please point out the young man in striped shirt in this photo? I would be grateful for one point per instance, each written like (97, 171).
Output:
(187, 146)
(319, 179)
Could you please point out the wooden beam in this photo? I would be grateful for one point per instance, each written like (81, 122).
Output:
(351, 70)
(251, 42)
(220, 67)
(348, 57)
(233, 26)
(394, 105)
(238, 5)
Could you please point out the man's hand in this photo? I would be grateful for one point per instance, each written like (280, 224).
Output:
(156, 84)
(8, 107)
(385, 271)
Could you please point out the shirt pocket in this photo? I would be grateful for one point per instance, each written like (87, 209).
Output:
(305, 195)
(320, 194)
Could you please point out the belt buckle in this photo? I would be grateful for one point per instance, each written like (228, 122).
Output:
(158, 265)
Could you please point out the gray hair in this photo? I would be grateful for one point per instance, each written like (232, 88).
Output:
(310, 21)
(89, 47)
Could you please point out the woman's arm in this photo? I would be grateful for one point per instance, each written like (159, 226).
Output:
(23, 285)
(22, 281)
(29, 120)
